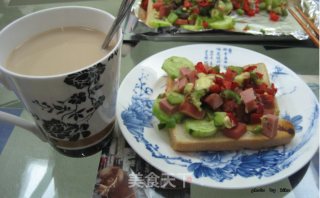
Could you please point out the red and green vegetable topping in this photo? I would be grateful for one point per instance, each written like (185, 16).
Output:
(211, 14)
(207, 100)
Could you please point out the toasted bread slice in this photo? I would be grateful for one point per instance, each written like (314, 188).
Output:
(183, 141)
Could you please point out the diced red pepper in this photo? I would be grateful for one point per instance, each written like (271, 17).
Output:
(250, 68)
(260, 76)
(201, 68)
(215, 88)
(274, 16)
(205, 24)
(181, 22)
(267, 100)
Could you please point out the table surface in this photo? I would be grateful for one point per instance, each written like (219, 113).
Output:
(31, 168)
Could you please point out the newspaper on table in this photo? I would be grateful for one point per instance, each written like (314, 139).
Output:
(124, 174)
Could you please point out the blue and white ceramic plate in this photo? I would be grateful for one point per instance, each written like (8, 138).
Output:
(228, 170)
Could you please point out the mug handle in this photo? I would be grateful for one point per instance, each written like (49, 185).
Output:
(28, 125)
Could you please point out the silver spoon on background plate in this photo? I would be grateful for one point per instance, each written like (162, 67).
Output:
(123, 11)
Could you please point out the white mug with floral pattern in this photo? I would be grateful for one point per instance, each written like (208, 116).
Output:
(75, 111)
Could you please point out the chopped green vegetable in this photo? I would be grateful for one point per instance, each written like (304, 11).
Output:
(196, 98)
(219, 119)
(173, 64)
(203, 82)
(229, 94)
(236, 69)
(226, 23)
(156, 23)
(188, 88)
(175, 98)
(200, 128)
(241, 77)
(172, 17)
(257, 129)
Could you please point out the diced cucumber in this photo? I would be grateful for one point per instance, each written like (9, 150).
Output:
(156, 23)
(236, 69)
(225, 24)
(173, 64)
(219, 118)
(169, 121)
(191, 27)
(200, 128)
(175, 98)
(172, 17)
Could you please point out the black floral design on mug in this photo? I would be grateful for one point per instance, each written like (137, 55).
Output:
(73, 119)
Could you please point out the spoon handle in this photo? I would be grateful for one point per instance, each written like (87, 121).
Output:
(124, 9)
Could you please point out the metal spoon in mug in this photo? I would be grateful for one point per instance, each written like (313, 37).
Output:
(124, 9)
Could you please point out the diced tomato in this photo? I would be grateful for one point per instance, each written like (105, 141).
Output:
(234, 85)
(250, 68)
(157, 5)
(260, 76)
(200, 67)
(233, 118)
(236, 132)
(227, 84)
(205, 24)
(144, 5)
(196, 11)
(181, 22)
(267, 100)
(255, 118)
(204, 3)
(272, 90)
(274, 16)
(219, 81)
(215, 88)
(164, 11)
(187, 4)
(229, 75)
(229, 106)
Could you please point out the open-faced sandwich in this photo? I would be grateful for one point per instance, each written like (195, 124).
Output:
(198, 15)
(207, 109)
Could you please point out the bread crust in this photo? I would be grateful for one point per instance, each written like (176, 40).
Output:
(183, 141)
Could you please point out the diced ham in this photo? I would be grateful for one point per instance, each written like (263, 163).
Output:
(185, 71)
(192, 76)
(189, 109)
(249, 99)
(167, 107)
(269, 125)
(214, 100)
(181, 83)
(268, 111)
(236, 132)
